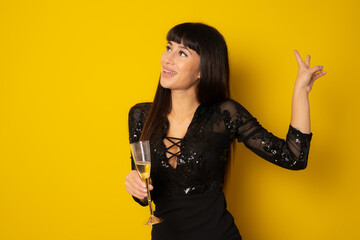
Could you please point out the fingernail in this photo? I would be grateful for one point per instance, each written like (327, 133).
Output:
(144, 185)
(144, 190)
(321, 67)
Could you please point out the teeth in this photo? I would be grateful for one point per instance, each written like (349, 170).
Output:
(166, 71)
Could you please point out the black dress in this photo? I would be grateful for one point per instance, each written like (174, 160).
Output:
(189, 197)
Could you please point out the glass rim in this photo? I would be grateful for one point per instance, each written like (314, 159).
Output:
(142, 141)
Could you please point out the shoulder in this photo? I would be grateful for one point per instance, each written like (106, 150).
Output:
(139, 112)
(139, 109)
(231, 108)
(230, 105)
(137, 116)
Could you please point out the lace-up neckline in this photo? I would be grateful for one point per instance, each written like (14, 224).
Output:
(175, 142)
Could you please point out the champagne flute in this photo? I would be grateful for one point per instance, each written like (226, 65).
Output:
(142, 159)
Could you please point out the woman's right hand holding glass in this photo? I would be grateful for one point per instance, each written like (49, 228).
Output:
(136, 186)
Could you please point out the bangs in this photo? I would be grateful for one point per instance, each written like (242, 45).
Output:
(186, 34)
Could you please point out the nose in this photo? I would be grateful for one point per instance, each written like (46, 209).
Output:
(167, 58)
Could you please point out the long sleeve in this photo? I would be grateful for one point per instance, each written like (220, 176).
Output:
(137, 117)
(291, 153)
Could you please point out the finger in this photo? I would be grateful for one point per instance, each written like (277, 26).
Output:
(141, 189)
(315, 69)
(134, 192)
(298, 57)
(135, 185)
(139, 193)
(150, 184)
(139, 181)
(318, 75)
(135, 176)
(151, 187)
(307, 60)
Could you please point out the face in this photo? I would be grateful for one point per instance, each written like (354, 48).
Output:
(180, 67)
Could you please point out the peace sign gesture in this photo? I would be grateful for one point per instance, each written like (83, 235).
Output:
(306, 76)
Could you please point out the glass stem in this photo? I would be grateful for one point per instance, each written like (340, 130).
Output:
(148, 196)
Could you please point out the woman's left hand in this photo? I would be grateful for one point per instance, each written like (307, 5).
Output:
(306, 76)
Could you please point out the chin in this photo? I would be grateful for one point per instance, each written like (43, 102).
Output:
(165, 82)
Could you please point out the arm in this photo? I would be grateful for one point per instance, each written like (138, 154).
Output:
(134, 184)
(291, 153)
(300, 116)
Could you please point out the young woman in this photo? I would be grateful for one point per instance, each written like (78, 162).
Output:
(191, 124)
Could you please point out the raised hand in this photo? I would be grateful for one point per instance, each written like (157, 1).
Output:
(306, 76)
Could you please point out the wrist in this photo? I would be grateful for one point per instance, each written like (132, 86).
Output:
(300, 89)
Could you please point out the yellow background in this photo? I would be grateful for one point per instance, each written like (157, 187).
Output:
(70, 71)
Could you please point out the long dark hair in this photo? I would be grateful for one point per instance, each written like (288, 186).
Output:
(214, 71)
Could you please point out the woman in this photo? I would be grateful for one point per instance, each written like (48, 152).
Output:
(191, 125)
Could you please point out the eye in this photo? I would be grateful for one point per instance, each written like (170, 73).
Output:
(168, 48)
(183, 54)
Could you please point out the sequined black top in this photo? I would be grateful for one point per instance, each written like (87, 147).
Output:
(199, 174)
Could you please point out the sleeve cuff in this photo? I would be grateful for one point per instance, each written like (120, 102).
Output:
(297, 131)
(300, 136)
(140, 202)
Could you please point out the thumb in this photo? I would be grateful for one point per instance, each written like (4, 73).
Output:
(151, 187)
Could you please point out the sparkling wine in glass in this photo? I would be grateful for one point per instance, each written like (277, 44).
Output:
(140, 152)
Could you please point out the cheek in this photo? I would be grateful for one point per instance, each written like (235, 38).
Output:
(162, 58)
(195, 70)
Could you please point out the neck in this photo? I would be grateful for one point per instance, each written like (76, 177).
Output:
(183, 103)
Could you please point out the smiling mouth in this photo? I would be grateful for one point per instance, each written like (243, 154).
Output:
(168, 72)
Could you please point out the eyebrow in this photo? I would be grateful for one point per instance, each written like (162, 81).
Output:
(184, 47)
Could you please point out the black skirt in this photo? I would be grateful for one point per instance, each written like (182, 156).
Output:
(199, 217)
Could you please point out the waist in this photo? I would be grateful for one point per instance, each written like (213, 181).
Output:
(170, 189)
(188, 206)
